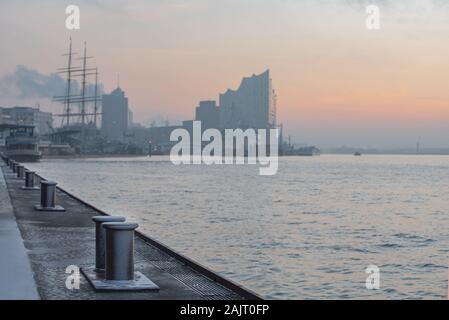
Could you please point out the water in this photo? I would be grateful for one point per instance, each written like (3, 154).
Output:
(308, 232)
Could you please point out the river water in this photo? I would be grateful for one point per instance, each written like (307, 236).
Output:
(308, 232)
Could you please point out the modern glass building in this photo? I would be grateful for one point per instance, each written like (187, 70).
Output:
(252, 105)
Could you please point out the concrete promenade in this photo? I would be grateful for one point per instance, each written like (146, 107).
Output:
(16, 276)
(56, 240)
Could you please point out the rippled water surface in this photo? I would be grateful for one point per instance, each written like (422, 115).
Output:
(308, 232)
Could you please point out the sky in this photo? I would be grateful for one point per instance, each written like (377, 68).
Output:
(337, 83)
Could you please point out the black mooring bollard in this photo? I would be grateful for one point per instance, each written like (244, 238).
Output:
(118, 258)
(29, 181)
(100, 239)
(48, 195)
(20, 170)
(119, 250)
(14, 167)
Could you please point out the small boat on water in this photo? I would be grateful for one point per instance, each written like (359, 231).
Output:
(21, 144)
(357, 154)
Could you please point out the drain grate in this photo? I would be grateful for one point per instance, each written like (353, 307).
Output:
(202, 285)
(197, 282)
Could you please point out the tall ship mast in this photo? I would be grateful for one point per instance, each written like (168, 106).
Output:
(80, 110)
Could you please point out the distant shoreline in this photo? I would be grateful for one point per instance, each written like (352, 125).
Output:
(94, 156)
(285, 156)
(389, 153)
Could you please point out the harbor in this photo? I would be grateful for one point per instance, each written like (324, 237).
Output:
(40, 245)
(310, 237)
(222, 159)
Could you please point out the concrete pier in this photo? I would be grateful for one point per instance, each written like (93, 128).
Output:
(16, 276)
(37, 257)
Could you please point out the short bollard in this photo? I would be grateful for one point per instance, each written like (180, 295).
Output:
(20, 170)
(100, 239)
(119, 250)
(48, 195)
(119, 262)
(29, 181)
(14, 167)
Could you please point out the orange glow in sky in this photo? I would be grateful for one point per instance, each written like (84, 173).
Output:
(336, 82)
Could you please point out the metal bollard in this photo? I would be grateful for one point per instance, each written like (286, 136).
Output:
(118, 258)
(48, 195)
(20, 170)
(29, 181)
(14, 167)
(119, 250)
(100, 239)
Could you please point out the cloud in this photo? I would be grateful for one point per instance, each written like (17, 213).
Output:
(25, 83)
(28, 83)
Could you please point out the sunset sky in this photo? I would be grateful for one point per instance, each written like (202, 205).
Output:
(337, 82)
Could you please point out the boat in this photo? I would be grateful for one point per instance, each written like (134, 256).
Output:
(21, 144)
(357, 154)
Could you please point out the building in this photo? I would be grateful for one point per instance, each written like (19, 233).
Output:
(42, 121)
(114, 120)
(158, 138)
(252, 105)
(4, 118)
(130, 118)
(209, 114)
